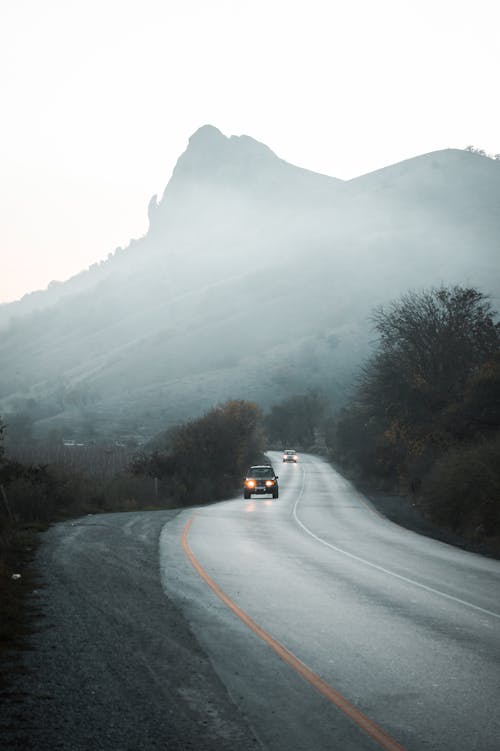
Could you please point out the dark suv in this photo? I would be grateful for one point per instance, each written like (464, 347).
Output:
(259, 480)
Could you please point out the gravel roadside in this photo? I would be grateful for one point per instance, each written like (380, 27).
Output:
(113, 664)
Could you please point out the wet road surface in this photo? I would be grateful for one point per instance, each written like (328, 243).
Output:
(403, 630)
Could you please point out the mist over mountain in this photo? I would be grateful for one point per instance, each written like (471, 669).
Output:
(255, 280)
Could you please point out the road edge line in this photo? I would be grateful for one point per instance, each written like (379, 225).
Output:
(383, 570)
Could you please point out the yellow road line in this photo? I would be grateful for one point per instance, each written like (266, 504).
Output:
(369, 727)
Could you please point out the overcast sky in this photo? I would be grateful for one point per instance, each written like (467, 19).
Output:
(99, 98)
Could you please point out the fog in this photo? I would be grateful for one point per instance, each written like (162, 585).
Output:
(255, 280)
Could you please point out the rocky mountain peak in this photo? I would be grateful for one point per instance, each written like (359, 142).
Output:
(205, 136)
(210, 154)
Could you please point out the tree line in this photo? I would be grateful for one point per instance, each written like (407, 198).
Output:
(425, 415)
(481, 152)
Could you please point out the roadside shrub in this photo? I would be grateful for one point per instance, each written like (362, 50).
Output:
(205, 459)
(462, 490)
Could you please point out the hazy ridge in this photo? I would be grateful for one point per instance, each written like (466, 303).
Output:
(254, 280)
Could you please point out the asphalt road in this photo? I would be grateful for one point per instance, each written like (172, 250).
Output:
(333, 628)
(302, 624)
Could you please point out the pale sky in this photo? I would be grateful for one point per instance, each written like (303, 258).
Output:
(99, 98)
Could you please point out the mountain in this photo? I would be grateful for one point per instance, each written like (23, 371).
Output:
(255, 280)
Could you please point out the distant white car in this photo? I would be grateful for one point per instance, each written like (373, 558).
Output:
(290, 455)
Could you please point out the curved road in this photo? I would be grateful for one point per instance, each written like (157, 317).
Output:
(333, 628)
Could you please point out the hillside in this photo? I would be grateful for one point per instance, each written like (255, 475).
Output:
(254, 280)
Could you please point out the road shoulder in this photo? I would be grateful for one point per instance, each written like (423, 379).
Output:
(113, 663)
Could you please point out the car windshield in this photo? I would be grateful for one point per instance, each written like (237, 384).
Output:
(261, 472)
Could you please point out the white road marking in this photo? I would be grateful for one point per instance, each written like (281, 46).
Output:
(376, 566)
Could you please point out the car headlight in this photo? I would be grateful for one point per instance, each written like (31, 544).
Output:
(269, 483)
(250, 483)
